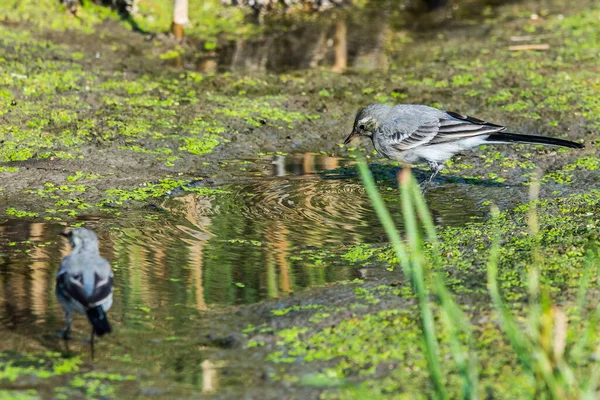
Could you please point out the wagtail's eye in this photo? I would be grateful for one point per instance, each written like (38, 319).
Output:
(361, 127)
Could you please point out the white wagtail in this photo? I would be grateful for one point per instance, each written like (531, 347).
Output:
(84, 283)
(416, 134)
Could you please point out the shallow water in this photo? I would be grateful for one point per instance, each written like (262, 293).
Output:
(260, 238)
(192, 259)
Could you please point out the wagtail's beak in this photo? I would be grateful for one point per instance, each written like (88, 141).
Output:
(351, 137)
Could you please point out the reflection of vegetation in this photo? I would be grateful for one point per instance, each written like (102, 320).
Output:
(250, 258)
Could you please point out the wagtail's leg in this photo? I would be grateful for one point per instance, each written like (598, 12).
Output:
(435, 168)
(66, 335)
(92, 343)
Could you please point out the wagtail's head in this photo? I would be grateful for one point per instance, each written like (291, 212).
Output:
(81, 238)
(368, 120)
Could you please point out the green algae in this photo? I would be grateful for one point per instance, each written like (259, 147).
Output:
(48, 14)
(259, 111)
(358, 253)
(200, 145)
(287, 310)
(81, 175)
(160, 189)
(53, 191)
(9, 169)
(30, 394)
(95, 384)
(565, 174)
(145, 192)
(210, 18)
(20, 213)
(546, 83)
(44, 366)
(42, 131)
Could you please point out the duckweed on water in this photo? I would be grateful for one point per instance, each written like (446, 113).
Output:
(155, 190)
(358, 253)
(147, 191)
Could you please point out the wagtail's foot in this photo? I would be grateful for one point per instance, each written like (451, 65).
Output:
(424, 186)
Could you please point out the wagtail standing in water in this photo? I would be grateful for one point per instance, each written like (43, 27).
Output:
(416, 134)
(84, 283)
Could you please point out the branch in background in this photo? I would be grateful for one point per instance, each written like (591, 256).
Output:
(526, 47)
(341, 46)
(180, 18)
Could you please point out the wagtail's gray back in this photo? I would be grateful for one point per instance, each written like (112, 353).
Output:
(416, 134)
(84, 283)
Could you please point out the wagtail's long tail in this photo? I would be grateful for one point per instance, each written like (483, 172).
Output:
(505, 137)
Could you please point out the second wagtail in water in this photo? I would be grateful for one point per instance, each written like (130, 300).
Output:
(417, 134)
(84, 283)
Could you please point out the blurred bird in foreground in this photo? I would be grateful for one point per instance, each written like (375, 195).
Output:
(84, 283)
(416, 134)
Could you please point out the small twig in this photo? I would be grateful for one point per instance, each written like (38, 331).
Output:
(526, 47)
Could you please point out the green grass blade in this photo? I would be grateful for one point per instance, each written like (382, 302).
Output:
(454, 322)
(427, 221)
(590, 388)
(453, 319)
(509, 325)
(384, 217)
(533, 276)
(430, 342)
(431, 347)
(591, 260)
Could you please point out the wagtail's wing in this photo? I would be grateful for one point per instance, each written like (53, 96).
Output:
(457, 126)
(103, 283)
(90, 286)
(407, 133)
